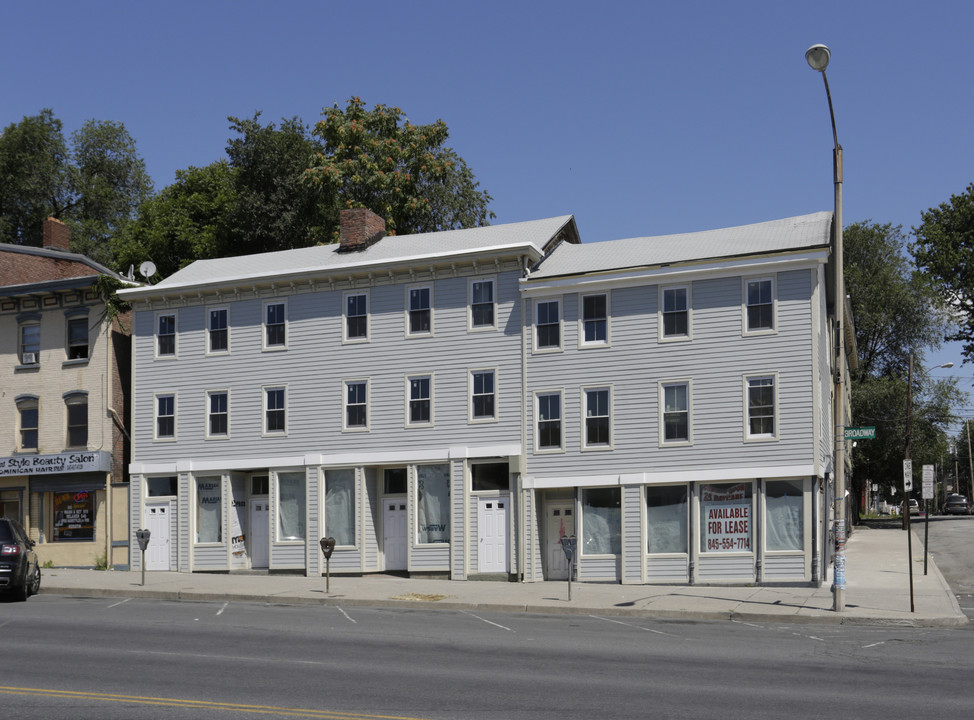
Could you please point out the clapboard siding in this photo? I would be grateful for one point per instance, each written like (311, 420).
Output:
(371, 514)
(716, 568)
(599, 568)
(210, 557)
(457, 521)
(632, 532)
(784, 567)
(667, 569)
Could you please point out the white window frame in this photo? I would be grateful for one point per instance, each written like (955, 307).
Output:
(408, 309)
(33, 321)
(208, 413)
(582, 342)
(346, 340)
(264, 325)
(661, 394)
(663, 337)
(746, 329)
(761, 437)
(583, 402)
(156, 335)
(264, 390)
(536, 306)
(538, 394)
(209, 330)
(155, 417)
(409, 400)
(482, 279)
(471, 418)
(368, 395)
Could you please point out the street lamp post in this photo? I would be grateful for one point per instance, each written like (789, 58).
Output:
(818, 57)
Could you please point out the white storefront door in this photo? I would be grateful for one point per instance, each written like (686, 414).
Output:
(395, 533)
(157, 555)
(493, 522)
(560, 522)
(258, 534)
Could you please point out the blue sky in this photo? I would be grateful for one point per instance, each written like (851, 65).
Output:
(639, 119)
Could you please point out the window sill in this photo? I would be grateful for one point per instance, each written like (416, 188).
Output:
(75, 362)
(27, 368)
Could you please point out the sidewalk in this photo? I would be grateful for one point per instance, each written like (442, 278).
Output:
(877, 591)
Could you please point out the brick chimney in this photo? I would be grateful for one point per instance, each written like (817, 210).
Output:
(57, 235)
(358, 229)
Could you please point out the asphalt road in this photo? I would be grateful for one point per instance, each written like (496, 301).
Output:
(951, 544)
(110, 658)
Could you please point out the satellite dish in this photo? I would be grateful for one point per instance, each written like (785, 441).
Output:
(147, 269)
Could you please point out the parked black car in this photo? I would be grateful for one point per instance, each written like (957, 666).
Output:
(956, 505)
(19, 571)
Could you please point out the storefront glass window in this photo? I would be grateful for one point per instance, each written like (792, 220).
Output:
(161, 486)
(725, 518)
(209, 528)
(666, 519)
(784, 502)
(433, 499)
(340, 505)
(601, 521)
(74, 515)
(290, 506)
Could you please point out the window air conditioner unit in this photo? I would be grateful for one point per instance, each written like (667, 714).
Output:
(30, 358)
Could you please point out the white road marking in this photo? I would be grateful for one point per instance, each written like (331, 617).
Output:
(619, 622)
(347, 617)
(488, 621)
(120, 602)
(220, 611)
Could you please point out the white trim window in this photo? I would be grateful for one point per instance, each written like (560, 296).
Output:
(218, 331)
(761, 407)
(166, 335)
(675, 426)
(595, 320)
(759, 305)
(483, 395)
(30, 341)
(597, 420)
(355, 401)
(548, 428)
(164, 420)
(419, 400)
(547, 325)
(275, 325)
(483, 304)
(419, 311)
(275, 410)
(355, 328)
(674, 313)
(217, 414)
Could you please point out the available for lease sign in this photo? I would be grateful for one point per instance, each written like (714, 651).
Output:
(727, 518)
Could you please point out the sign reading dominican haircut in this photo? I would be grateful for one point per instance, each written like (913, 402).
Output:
(726, 518)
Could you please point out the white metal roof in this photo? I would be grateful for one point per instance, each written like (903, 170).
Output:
(795, 233)
(396, 249)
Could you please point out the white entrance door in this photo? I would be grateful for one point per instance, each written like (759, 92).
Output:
(560, 522)
(493, 521)
(395, 533)
(258, 534)
(157, 523)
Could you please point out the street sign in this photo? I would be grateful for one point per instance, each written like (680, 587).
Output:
(907, 475)
(861, 433)
(928, 482)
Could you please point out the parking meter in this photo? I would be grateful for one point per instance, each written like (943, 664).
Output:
(569, 545)
(143, 537)
(327, 547)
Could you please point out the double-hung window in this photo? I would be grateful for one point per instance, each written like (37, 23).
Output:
(419, 316)
(595, 319)
(759, 305)
(218, 330)
(356, 410)
(675, 423)
(30, 342)
(356, 317)
(275, 410)
(547, 325)
(77, 338)
(217, 414)
(482, 304)
(483, 395)
(761, 407)
(419, 410)
(29, 417)
(275, 325)
(165, 424)
(598, 427)
(548, 413)
(76, 405)
(166, 335)
(675, 304)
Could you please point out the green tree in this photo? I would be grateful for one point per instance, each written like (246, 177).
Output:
(402, 172)
(944, 250)
(895, 311)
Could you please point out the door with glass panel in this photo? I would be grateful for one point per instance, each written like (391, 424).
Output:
(395, 518)
(559, 522)
(258, 532)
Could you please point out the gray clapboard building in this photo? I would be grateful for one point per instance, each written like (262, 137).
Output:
(455, 403)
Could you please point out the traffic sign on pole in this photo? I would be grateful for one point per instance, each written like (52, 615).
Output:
(907, 475)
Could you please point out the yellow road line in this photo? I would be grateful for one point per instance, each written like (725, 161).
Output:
(201, 704)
